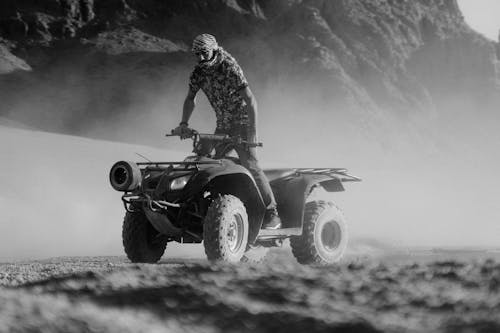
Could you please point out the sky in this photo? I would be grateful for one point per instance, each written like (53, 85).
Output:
(483, 16)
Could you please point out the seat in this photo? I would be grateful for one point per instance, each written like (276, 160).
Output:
(273, 174)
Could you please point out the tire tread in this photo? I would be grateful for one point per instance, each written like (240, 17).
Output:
(303, 247)
(134, 236)
(214, 222)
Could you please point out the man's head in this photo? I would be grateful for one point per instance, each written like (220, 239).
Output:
(204, 46)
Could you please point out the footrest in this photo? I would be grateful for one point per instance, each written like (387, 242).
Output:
(267, 233)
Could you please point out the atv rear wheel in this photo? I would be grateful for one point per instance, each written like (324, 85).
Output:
(225, 229)
(324, 237)
(141, 241)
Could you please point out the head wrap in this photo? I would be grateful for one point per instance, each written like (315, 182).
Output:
(204, 43)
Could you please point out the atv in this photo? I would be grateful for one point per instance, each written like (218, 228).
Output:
(209, 197)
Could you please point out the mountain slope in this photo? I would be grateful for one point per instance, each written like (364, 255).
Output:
(95, 60)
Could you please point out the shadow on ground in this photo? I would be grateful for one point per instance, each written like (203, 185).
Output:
(109, 294)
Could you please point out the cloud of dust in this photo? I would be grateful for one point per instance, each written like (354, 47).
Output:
(433, 183)
(426, 182)
(56, 199)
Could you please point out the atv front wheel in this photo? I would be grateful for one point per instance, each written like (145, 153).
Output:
(141, 241)
(225, 229)
(324, 237)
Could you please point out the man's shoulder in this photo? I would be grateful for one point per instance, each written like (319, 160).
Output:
(197, 71)
(228, 60)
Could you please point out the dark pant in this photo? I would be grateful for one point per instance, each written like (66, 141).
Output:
(248, 159)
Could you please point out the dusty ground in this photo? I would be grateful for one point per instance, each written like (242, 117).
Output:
(108, 294)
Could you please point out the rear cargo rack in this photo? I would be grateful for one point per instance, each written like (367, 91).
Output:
(338, 173)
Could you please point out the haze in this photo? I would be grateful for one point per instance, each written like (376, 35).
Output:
(429, 179)
(416, 191)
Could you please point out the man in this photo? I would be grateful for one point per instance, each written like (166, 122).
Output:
(220, 77)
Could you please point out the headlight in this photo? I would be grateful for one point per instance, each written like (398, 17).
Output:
(179, 183)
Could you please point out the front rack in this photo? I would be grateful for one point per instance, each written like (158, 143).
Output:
(179, 163)
(191, 165)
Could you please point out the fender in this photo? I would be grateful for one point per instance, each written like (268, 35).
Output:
(230, 178)
(291, 194)
(208, 173)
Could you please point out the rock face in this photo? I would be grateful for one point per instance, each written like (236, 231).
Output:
(9, 62)
(95, 59)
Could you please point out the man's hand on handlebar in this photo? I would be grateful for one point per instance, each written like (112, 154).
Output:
(251, 138)
(183, 131)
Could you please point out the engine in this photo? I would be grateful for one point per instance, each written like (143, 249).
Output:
(125, 176)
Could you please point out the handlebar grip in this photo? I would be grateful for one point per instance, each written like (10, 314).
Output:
(192, 132)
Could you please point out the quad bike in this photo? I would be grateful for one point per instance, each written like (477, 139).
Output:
(210, 198)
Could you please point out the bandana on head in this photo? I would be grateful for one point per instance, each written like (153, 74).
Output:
(204, 43)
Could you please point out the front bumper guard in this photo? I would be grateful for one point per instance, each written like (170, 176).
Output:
(153, 205)
(154, 211)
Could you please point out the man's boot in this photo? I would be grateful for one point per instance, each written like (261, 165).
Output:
(271, 219)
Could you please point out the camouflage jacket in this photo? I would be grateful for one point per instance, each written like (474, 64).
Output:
(221, 82)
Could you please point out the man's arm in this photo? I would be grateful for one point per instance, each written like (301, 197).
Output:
(251, 109)
(188, 107)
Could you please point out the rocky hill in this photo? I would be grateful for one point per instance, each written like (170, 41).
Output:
(69, 65)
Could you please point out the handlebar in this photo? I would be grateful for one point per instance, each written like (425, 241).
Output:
(218, 138)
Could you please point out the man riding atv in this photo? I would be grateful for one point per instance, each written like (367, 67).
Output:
(220, 77)
(230, 205)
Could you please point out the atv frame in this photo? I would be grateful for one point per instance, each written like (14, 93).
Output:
(177, 198)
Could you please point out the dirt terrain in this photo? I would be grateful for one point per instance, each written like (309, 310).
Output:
(109, 294)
